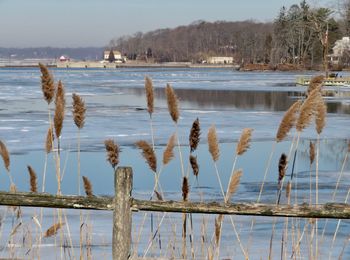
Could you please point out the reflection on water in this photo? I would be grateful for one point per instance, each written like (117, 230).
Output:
(240, 99)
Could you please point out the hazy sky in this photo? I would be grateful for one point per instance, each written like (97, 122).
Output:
(82, 23)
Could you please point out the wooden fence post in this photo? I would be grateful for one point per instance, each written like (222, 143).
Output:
(121, 240)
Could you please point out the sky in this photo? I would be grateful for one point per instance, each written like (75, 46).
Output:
(93, 23)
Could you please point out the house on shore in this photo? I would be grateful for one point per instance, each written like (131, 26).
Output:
(341, 47)
(118, 58)
(220, 60)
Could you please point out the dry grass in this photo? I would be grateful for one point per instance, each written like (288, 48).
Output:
(168, 154)
(59, 110)
(5, 155)
(79, 111)
(112, 150)
(47, 83)
(233, 185)
(282, 164)
(172, 101)
(149, 95)
(194, 165)
(315, 82)
(288, 121)
(185, 189)
(213, 143)
(33, 179)
(148, 154)
(49, 140)
(244, 141)
(320, 118)
(51, 231)
(87, 186)
(312, 152)
(194, 135)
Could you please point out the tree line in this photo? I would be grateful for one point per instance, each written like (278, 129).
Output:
(300, 35)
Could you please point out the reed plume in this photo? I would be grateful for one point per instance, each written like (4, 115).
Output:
(233, 185)
(49, 140)
(33, 179)
(185, 188)
(194, 135)
(5, 155)
(308, 109)
(87, 186)
(213, 143)
(150, 95)
(79, 110)
(218, 224)
(51, 231)
(312, 152)
(282, 164)
(320, 118)
(148, 154)
(194, 165)
(158, 195)
(244, 141)
(59, 111)
(315, 82)
(168, 154)
(47, 83)
(288, 121)
(172, 101)
(112, 150)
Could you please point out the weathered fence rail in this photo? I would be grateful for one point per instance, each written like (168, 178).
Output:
(123, 204)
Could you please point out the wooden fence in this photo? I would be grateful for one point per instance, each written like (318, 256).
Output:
(123, 204)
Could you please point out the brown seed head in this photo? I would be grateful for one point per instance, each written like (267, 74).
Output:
(47, 83)
(87, 186)
(312, 152)
(49, 140)
(150, 95)
(233, 185)
(60, 103)
(112, 150)
(218, 223)
(172, 101)
(288, 121)
(315, 82)
(195, 135)
(78, 111)
(51, 231)
(194, 165)
(308, 110)
(5, 155)
(282, 164)
(148, 154)
(159, 196)
(33, 179)
(213, 143)
(320, 118)
(244, 141)
(185, 189)
(168, 154)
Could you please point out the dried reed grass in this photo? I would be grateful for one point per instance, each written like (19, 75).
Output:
(218, 224)
(244, 141)
(79, 111)
(168, 154)
(194, 165)
(185, 189)
(320, 118)
(59, 110)
(213, 143)
(158, 195)
(312, 152)
(51, 231)
(112, 150)
(49, 140)
(5, 155)
(233, 185)
(315, 82)
(87, 186)
(33, 179)
(150, 95)
(47, 83)
(148, 154)
(172, 101)
(282, 164)
(288, 121)
(308, 109)
(194, 135)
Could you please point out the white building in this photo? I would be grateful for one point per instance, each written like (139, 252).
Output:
(117, 55)
(220, 60)
(340, 46)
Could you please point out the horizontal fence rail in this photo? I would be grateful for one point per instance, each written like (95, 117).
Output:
(28, 199)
